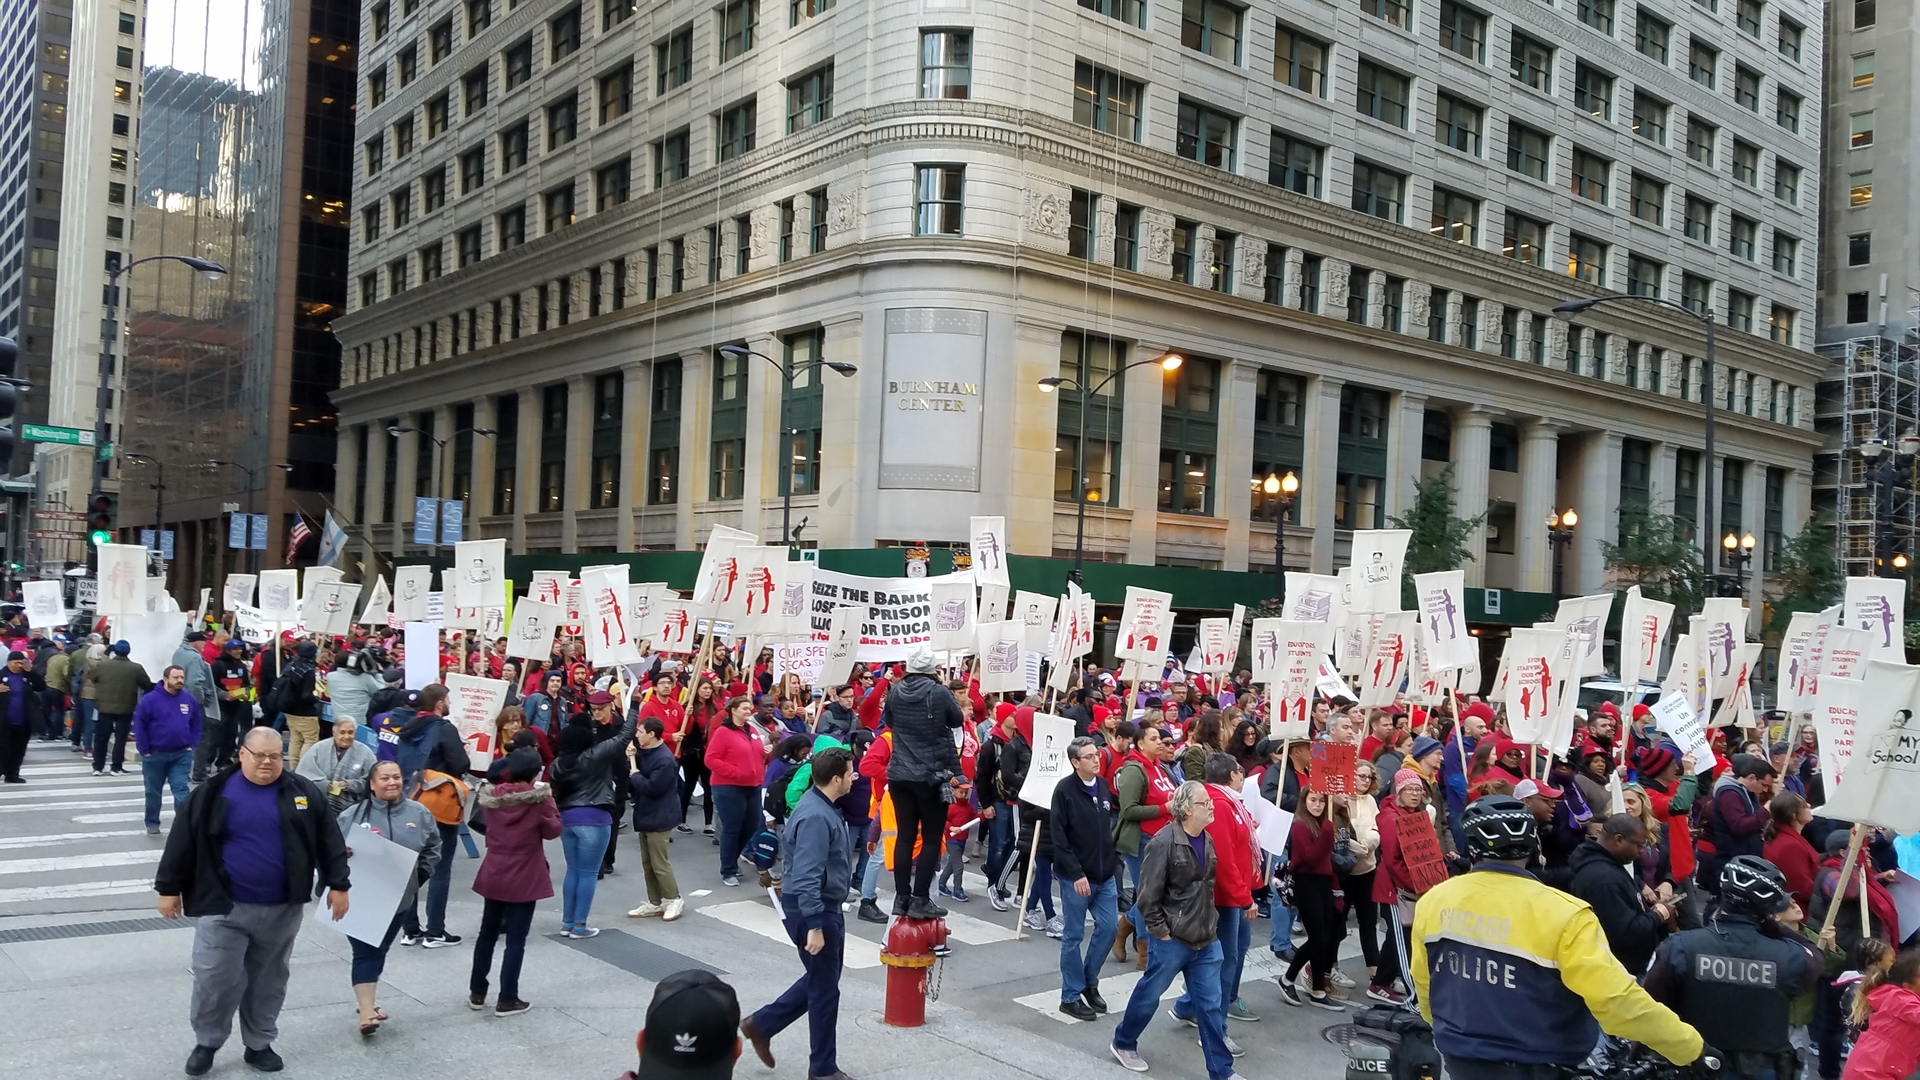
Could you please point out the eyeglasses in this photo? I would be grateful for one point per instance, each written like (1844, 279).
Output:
(258, 756)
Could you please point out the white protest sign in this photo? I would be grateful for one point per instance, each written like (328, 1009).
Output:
(1836, 715)
(1034, 612)
(548, 586)
(200, 609)
(1846, 653)
(411, 584)
(479, 573)
(1878, 605)
(330, 609)
(534, 624)
(1687, 675)
(379, 599)
(1272, 826)
(317, 575)
(987, 539)
(280, 595)
(743, 585)
(843, 638)
(158, 598)
(806, 658)
(611, 635)
(1215, 658)
(952, 598)
(719, 570)
(1723, 621)
(1443, 619)
(380, 870)
(122, 579)
(796, 589)
(1817, 652)
(473, 707)
(1236, 629)
(1585, 617)
(993, 603)
(1678, 721)
(899, 612)
(44, 605)
(1643, 626)
(673, 627)
(237, 592)
(1146, 624)
(1388, 659)
(1378, 555)
(1532, 690)
(1736, 708)
(152, 637)
(250, 627)
(1310, 597)
(1003, 665)
(1051, 734)
(764, 609)
(423, 654)
(1290, 652)
(1884, 772)
(1796, 647)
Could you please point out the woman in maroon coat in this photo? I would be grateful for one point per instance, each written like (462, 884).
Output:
(1392, 880)
(521, 818)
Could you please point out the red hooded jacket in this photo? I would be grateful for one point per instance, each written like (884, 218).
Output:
(1232, 832)
(1890, 1047)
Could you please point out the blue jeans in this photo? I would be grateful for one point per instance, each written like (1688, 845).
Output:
(1132, 864)
(438, 886)
(857, 839)
(82, 734)
(1040, 893)
(740, 818)
(870, 877)
(1165, 959)
(370, 960)
(1236, 935)
(169, 767)
(1281, 937)
(583, 846)
(816, 994)
(999, 843)
(1079, 972)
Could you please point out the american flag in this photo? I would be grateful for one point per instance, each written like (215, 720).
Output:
(297, 535)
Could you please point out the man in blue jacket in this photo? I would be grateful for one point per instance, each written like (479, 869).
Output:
(655, 781)
(166, 728)
(818, 853)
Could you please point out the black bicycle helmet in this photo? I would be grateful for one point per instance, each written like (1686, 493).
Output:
(1750, 885)
(1500, 827)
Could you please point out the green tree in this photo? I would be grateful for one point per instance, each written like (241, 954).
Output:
(1439, 540)
(1656, 552)
(1806, 573)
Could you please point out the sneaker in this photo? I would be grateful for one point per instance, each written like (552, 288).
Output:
(1340, 979)
(731, 881)
(1284, 956)
(476, 1002)
(1239, 1011)
(1079, 1010)
(1187, 1020)
(200, 1060)
(1325, 1001)
(103, 772)
(683, 827)
(1056, 927)
(1129, 1060)
(646, 911)
(1035, 920)
(959, 895)
(1387, 994)
(1289, 993)
(439, 941)
(512, 1006)
(411, 937)
(582, 932)
(123, 772)
(999, 900)
(942, 949)
(263, 1059)
(152, 830)
(673, 909)
(1299, 932)
(1233, 1048)
(708, 830)
(870, 912)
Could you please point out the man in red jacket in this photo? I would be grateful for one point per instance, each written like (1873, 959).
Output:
(1234, 858)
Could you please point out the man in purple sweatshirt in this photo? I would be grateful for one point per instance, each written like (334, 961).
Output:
(166, 728)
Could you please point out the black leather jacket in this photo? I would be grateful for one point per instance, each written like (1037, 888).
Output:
(1176, 891)
(589, 777)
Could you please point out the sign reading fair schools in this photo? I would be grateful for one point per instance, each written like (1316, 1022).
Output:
(930, 424)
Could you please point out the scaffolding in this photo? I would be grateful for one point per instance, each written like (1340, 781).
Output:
(1871, 393)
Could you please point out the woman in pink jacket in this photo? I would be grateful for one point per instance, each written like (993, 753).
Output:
(736, 764)
(1890, 1047)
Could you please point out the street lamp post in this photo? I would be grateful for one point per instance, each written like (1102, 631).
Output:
(1559, 535)
(1737, 552)
(160, 491)
(253, 488)
(1883, 471)
(1280, 491)
(439, 460)
(787, 372)
(1167, 362)
(103, 397)
(1574, 307)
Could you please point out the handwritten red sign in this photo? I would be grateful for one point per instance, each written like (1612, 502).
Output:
(1421, 848)
(1332, 769)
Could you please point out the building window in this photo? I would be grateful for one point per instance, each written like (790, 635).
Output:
(616, 11)
(557, 206)
(1859, 249)
(376, 154)
(1703, 63)
(1696, 295)
(1381, 93)
(1859, 131)
(1698, 220)
(1593, 91)
(1456, 217)
(1463, 30)
(513, 228)
(611, 184)
(1746, 163)
(1739, 317)
(946, 64)
(677, 264)
(396, 277)
(816, 221)
(1700, 139)
(1211, 27)
(713, 254)
(1220, 272)
(810, 99)
(429, 262)
(1106, 101)
(736, 23)
(1525, 239)
(513, 147)
(1590, 175)
(742, 243)
(673, 60)
(1205, 135)
(737, 126)
(370, 291)
(1860, 188)
(1863, 14)
(376, 89)
(407, 64)
(467, 244)
(1586, 259)
(1649, 117)
(1528, 151)
(1786, 110)
(1131, 12)
(670, 159)
(1126, 236)
(433, 189)
(1184, 235)
(1786, 182)
(1311, 270)
(1080, 224)
(1378, 191)
(1651, 34)
(939, 198)
(473, 90)
(473, 170)
(1746, 87)
(1786, 254)
(806, 9)
(563, 122)
(1789, 41)
(1644, 276)
(1294, 164)
(1299, 60)
(382, 20)
(440, 41)
(1597, 14)
(616, 93)
(1273, 280)
(1747, 17)
(1742, 237)
(563, 32)
(370, 222)
(1856, 306)
(1532, 63)
(1647, 199)
(787, 221)
(1457, 123)
(439, 114)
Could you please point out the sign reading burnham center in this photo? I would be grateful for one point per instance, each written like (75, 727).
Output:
(936, 360)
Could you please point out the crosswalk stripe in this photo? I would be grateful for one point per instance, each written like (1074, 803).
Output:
(971, 931)
(114, 819)
(757, 918)
(90, 804)
(17, 796)
(58, 839)
(11, 867)
(75, 891)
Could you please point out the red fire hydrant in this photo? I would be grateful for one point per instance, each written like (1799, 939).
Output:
(908, 953)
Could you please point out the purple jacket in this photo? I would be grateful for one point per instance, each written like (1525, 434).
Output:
(165, 721)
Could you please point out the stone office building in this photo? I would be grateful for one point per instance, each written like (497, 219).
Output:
(1352, 222)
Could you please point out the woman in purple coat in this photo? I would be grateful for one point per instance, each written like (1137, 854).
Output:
(521, 817)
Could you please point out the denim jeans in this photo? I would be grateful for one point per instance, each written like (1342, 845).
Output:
(1080, 972)
(514, 920)
(1281, 937)
(1132, 865)
(438, 886)
(999, 843)
(857, 843)
(583, 845)
(870, 877)
(370, 960)
(56, 703)
(169, 767)
(1165, 959)
(1235, 935)
(740, 818)
(82, 734)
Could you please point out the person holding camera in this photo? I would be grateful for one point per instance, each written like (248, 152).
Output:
(922, 714)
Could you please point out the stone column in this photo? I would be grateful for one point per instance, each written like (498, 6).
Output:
(760, 479)
(1456, 308)
(1377, 299)
(406, 483)
(1321, 416)
(1406, 430)
(486, 453)
(1472, 453)
(1294, 280)
(606, 291)
(1664, 477)
(696, 416)
(846, 447)
(346, 465)
(1031, 509)
(526, 470)
(577, 474)
(1140, 454)
(635, 430)
(1599, 510)
(1233, 459)
(1103, 241)
(378, 498)
(1539, 489)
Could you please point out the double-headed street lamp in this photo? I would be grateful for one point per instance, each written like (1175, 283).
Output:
(1280, 492)
(439, 460)
(1559, 535)
(1705, 316)
(253, 488)
(1166, 362)
(787, 372)
(103, 396)
(159, 491)
(1883, 472)
(1737, 552)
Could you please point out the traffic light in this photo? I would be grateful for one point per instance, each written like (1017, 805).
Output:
(101, 512)
(9, 400)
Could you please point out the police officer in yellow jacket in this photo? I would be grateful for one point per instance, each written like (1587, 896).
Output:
(1515, 976)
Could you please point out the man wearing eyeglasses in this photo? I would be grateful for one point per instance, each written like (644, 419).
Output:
(1606, 874)
(242, 861)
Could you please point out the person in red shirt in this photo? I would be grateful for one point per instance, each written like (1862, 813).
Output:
(664, 705)
(1790, 851)
(1379, 736)
(1233, 879)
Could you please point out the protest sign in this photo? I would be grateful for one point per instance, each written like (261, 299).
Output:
(1687, 675)
(899, 612)
(44, 605)
(1675, 717)
(423, 653)
(612, 637)
(643, 602)
(411, 584)
(1795, 651)
(1310, 597)
(719, 569)
(1723, 620)
(1532, 660)
(1215, 658)
(1332, 771)
(380, 870)
(548, 586)
(379, 599)
(843, 638)
(1003, 668)
(122, 579)
(1585, 618)
(1736, 708)
(673, 628)
(988, 543)
(1272, 826)
(479, 573)
(1643, 626)
(952, 600)
(152, 636)
(329, 608)
(1051, 734)
(473, 707)
(1378, 555)
(1884, 771)
(1878, 605)
(1420, 846)
(1389, 658)
(314, 576)
(1836, 715)
(993, 603)
(237, 592)
(1034, 612)
(1443, 619)
(806, 658)
(534, 624)
(1146, 625)
(1845, 653)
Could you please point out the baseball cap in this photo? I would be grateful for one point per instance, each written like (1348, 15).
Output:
(599, 697)
(692, 1029)
(1526, 788)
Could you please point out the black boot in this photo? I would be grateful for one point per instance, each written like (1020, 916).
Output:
(870, 912)
(922, 908)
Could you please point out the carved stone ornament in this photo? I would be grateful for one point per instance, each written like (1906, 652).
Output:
(843, 212)
(1336, 288)
(1045, 216)
(1419, 302)
(1253, 263)
(1159, 241)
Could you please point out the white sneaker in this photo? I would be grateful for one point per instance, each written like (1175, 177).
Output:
(1233, 1048)
(1035, 920)
(1341, 979)
(1129, 1060)
(645, 911)
(1056, 927)
(673, 909)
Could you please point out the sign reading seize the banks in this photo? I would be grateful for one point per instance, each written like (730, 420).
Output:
(930, 427)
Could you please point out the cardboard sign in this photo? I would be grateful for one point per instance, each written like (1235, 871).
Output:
(473, 706)
(1878, 605)
(1533, 677)
(1051, 734)
(1378, 555)
(1443, 619)
(1795, 650)
(1333, 767)
(1215, 658)
(673, 627)
(1675, 716)
(1736, 708)
(411, 584)
(1034, 611)
(152, 637)
(1836, 716)
(1002, 652)
(1643, 627)
(806, 658)
(1884, 771)
(1723, 619)
(953, 618)
(1146, 626)
(719, 569)
(987, 539)
(548, 586)
(1389, 659)
(1420, 846)
(237, 592)
(843, 638)
(1272, 826)
(479, 573)
(122, 579)
(423, 654)
(1687, 675)
(1311, 597)
(44, 605)
(531, 635)
(612, 637)
(379, 602)
(329, 608)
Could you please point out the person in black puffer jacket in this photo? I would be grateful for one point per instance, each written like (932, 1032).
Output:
(922, 714)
